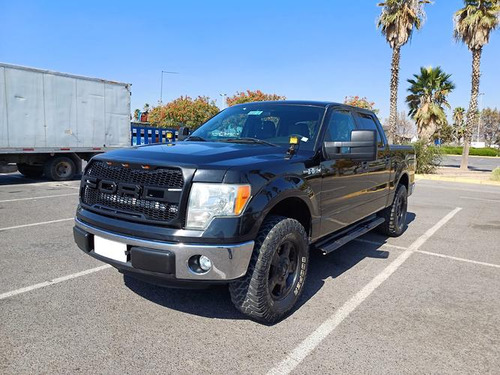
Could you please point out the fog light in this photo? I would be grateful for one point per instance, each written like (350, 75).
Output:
(205, 263)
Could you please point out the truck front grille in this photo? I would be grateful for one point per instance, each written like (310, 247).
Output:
(134, 192)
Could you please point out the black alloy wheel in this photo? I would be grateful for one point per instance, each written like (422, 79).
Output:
(284, 269)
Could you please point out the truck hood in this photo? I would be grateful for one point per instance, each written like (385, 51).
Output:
(199, 155)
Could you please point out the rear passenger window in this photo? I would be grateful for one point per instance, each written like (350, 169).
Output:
(367, 122)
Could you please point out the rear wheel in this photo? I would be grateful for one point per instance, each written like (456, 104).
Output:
(395, 214)
(276, 273)
(60, 168)
(30, 171)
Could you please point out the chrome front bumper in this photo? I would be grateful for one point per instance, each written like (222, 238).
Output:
(229, 262)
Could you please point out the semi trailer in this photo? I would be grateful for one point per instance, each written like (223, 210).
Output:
(51, 121)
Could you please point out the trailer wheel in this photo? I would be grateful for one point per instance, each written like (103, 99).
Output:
(60, 168)
(30, 171)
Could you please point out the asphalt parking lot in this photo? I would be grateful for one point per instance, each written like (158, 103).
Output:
(476, 163)
(426, 302)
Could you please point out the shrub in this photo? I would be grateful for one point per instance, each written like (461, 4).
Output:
(495, 175)
(455, 150)
(428, 157)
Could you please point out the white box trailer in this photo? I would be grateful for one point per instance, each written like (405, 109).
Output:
(50, 121)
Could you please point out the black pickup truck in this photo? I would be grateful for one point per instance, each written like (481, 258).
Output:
(245, 198)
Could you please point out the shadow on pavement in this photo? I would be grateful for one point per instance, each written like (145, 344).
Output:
(215, 302)
(19, 179)
(471, 168)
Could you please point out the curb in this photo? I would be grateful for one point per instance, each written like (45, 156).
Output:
(464, 180)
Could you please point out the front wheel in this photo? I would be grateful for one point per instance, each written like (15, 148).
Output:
(277, 271)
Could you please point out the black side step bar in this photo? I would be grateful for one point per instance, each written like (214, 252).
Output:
(340, 239)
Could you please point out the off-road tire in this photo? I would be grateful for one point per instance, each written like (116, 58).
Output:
(30, 171)
(395, 220)
(251, 295)
(60, 168)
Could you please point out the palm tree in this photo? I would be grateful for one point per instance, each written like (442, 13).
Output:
(428, 92)
(397, 21)
(137, 114)
(473, 25)
(458, 123)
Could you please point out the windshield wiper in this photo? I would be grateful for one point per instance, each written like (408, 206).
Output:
(250, 140)
(195, 138)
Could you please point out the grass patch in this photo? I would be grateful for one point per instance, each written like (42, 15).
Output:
(495, 175)
(452, 150)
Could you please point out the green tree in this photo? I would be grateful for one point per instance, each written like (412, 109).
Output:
(359, 102)
(444, 133)
(428, 92)
(251, 96)
(183, 111)
(490, 124)
(396, 22)
(473, 26)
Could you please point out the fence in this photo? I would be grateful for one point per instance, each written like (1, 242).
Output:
(144, 135)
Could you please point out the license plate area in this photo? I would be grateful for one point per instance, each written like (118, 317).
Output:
(110, 249)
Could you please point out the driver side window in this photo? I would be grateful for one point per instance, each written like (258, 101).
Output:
(339, 128)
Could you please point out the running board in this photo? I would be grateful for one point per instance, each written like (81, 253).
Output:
(340, 239)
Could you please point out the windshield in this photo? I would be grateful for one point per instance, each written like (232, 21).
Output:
(269, 122)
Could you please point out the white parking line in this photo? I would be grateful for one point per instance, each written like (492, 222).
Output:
(482, 199)
(381, 244)
(35, 224)
(420, 184)
(300, 352)
(33, 198)
(459, 259)
(41, 183)
(52, 282)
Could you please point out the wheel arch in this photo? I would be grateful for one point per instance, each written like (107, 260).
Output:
(293, 207)
(404, 179)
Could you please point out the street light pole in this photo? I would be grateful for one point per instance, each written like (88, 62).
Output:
(161, 85)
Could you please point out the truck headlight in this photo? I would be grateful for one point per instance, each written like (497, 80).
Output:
(207, 201)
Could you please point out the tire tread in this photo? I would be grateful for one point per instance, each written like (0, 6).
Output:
(389, 227)
(248, 294)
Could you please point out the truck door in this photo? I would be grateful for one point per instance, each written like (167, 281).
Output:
(376, 173)
(341, 182)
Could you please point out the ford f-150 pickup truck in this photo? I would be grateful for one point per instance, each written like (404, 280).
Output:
(244, 199)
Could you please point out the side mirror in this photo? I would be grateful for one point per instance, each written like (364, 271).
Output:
(362, 146)
(183, 133)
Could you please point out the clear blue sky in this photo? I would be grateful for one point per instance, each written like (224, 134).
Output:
(321, 50)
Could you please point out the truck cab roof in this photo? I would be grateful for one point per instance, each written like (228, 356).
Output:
(315, 103)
